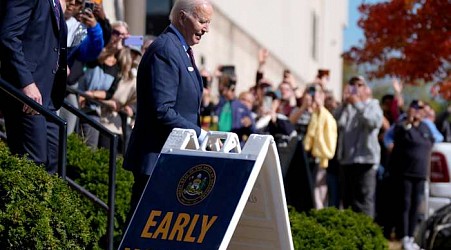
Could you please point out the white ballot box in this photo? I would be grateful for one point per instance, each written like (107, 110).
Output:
(212, 196)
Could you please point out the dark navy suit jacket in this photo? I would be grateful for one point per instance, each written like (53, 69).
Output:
(30, 44)
(169, 91)
(33, 50)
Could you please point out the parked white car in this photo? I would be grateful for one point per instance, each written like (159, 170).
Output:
(440, 177)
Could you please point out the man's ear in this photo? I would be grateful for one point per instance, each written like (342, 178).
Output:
(183, 15)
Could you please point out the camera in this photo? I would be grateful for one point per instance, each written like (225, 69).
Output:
(267, 102)
(311, 91)
(228, 70)
(353, 90)
(205, 82)
(88, 5)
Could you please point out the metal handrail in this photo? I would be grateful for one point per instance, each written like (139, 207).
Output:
(62, 152)
(121, 113)
(111, 173)
(62, 124)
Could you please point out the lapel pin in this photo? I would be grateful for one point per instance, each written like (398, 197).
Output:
(190, 69)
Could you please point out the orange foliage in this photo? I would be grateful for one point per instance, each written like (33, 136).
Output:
(445, 89)
(409, 39)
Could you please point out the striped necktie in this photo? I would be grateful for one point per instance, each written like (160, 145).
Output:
(56, 9)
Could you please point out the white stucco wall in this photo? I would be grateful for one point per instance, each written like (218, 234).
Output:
(284, 27)
(240, 28)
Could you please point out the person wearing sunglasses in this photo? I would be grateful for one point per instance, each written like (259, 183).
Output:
(101, 80)
(359, 119)
(407, 168)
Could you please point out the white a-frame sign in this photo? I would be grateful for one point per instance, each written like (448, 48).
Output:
(212, 196)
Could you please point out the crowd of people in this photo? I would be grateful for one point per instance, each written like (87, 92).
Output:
(353, 152)
(358, 153)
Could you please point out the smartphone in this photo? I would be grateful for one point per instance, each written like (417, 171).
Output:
(133, 41)
(267, 103)
(88, 5)
(205, 82)
(312, 91)
(353, 90)
(228, 70)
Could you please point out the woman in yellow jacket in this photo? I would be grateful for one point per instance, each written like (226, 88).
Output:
(320, 139)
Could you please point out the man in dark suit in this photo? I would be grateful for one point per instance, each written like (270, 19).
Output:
(169, 89)
(33, 58)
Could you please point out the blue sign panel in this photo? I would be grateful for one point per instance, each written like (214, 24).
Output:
(188, 203)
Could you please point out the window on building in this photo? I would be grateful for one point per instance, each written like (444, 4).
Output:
(157, 16)
(314, 36)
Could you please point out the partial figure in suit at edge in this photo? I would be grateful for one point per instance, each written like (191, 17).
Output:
(169, 90)
(33, 58)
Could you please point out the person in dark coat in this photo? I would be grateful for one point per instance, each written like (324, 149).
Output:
(33, 59)
(169, 89)
(408, 167)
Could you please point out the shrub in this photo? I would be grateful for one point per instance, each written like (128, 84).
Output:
(89, 168)
(331, 228)
(38, 210)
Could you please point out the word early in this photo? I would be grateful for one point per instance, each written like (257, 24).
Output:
(181, 230)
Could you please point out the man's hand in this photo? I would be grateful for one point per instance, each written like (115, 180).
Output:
(397, 86)
(33, 92)
(349, 96)
(262, 56)
(246, 122)
(353, 99)
(128, 110)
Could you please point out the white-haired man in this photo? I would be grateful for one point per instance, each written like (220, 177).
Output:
(359, 120)
(169, 89)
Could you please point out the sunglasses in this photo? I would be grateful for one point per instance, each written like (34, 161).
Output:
(416, 105)
(117, 33)
(358, 84)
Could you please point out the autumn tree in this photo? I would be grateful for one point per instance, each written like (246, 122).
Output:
(443, 89)
(409, 39)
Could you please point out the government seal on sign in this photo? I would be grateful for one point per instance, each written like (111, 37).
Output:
(196, 184)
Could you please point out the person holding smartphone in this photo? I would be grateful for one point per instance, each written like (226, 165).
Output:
(408, 168)
(84, 44)
(317, 135)
(359, 119)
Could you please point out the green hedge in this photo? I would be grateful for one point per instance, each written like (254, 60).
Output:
(331, 228)
(38, 210)
(89, 168)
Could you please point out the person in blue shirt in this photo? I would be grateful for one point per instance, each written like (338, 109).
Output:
(428, 120)
(85, 41)
(87, 47)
